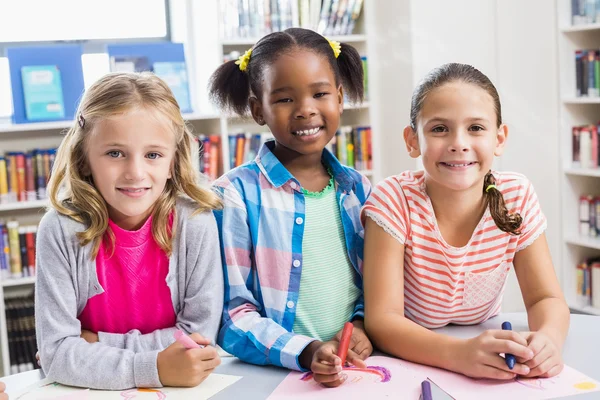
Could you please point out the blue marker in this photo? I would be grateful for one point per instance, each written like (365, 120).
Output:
(426, 390)
(509, 358)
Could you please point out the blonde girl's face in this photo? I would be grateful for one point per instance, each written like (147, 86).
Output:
(457, 136)
(130, 159)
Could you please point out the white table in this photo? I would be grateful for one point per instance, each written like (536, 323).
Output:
(581, 351)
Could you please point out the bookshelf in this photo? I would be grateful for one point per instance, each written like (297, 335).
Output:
(575, 181)
(198, 29)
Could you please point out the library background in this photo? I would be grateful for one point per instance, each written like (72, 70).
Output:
(46, 63)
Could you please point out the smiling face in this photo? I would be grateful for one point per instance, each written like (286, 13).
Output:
(300, 102)
(130, 158)
(456, 136)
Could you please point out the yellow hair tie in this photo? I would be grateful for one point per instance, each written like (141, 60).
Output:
(487, 189)
(336, 46)
(244, 59)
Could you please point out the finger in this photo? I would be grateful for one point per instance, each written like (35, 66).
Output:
(489, 372)
(206, 353)
(536, 344)
(512, 336)
(198, 338)
(330, 380)
(365, 353)
(2, 386)
(540, 357)
(509, 347)
(354, 359)
(557, 369)
(336, 383)
(544, 367)
(325, 369)
(326, 355)
(211, 364)
(362, 347)
(498, 362)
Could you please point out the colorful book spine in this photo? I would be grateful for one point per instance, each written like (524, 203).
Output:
(14, 249)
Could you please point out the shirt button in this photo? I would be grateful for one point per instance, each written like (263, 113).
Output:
(299, 220)
(293, 185)
(296, 263)
(290, 304)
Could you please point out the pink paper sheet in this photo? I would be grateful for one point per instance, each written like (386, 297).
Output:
(568, 383)
(403, 381)
(385, 377)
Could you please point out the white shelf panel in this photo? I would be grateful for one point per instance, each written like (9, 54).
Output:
(586, 310)
(18, 282)
(252, 41)
(23, 205)
(583, 171)
(584, 241)
(581, 100)
(581, 28)
(366, 172)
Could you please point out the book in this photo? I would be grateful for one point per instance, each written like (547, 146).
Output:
(129, 64)
(175, 76)
(42, 92)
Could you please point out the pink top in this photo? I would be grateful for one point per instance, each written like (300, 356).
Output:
(136, 295)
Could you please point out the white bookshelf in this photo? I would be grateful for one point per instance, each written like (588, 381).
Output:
(204, 53)
(574, 181)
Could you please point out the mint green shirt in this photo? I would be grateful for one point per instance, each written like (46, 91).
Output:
(327, 291)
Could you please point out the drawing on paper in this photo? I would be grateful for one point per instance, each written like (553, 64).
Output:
(371, 374)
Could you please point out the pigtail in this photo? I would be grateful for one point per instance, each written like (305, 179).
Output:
(506, 221)
(229, 88)
(351, 73)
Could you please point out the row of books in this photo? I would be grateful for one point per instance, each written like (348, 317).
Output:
(256, 18)
(209, 156)
(20, 326)
(24, 176)
(588, 283)
(587, 73)
(244, 147)
(353, 147)
(585, 11)
(586, 146)
(17, 250)
(589, 215)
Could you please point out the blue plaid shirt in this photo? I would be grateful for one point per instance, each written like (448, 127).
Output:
(261, 228)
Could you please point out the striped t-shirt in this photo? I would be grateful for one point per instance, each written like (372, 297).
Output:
(327, 290)
(445, 284)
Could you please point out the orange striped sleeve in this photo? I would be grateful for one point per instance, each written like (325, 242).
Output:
(534, 220)
(388, 208)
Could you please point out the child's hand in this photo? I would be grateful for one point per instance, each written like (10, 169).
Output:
(360, 345)
(479, 357)
(178, 366)
(3, 396)
(327, 366)
(89, 336)
(547, 358)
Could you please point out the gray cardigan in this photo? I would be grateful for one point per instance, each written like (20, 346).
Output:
(67, 279)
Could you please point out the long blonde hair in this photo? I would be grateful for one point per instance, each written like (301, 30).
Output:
(71, 190)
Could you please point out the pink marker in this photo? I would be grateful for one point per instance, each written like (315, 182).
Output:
(185, 340)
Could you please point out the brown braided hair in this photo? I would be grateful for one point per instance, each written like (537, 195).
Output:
(505, 220)
(455, 72)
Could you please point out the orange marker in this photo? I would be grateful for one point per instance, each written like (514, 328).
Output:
(345, 341)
